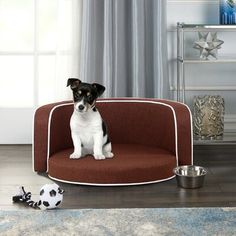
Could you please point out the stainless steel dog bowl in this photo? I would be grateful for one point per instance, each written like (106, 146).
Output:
(190, 176)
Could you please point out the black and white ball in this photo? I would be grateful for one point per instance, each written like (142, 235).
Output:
(51, 196)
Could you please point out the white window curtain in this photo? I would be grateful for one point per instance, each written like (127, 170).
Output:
(68, 39)
(51, 79)
(39, 50)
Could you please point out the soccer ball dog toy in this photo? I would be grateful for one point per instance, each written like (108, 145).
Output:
(51, 196)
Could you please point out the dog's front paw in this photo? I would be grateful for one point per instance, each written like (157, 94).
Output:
(109, 155)
(99, 156)
(75, 155)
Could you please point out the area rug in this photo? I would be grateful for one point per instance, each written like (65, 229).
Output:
(120, 222)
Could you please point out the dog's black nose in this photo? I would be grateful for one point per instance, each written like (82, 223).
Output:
(81, 107)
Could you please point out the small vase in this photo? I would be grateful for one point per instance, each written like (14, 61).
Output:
(227, 12)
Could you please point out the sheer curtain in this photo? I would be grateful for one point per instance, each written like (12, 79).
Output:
(68, 44)
(123, 46)
(39, 50)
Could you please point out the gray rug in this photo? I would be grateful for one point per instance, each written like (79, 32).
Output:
(143, 222)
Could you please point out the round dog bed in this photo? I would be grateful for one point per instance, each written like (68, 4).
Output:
(149, 138)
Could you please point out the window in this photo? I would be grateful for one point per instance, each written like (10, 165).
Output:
(28, 50)
(39, 50)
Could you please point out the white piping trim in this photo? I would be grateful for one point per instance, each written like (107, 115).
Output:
(48, 136)
(120, 184)
(104, 101)
(191, 127)
(49, 127)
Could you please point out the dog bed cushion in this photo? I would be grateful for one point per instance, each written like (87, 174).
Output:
(132, 163)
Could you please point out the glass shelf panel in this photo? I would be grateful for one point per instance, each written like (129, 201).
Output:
(192, 27)
(227, 138)
(219, 60)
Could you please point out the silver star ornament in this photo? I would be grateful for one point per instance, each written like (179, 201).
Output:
(208, 44)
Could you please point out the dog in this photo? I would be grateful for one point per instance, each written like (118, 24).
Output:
(88, 130)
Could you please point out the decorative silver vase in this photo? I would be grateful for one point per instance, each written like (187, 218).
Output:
(208, 116)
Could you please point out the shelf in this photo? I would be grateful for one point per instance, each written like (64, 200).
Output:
(185, 59)
(220, 59)
(215, 27)
(226, 139)
(205, 88)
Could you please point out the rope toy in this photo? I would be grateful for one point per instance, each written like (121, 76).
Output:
(51, 196)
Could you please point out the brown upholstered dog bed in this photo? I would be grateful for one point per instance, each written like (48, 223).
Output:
(149, 138)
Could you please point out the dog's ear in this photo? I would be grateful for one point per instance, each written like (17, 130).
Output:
(100, 88)
(73, 83)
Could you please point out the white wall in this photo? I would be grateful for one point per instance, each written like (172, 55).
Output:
(204, 75)
(16, 125)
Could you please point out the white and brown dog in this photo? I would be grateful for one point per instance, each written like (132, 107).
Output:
(88, 130)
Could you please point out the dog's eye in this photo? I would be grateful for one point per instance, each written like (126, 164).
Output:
(88, 94)
(90, 98)
(80, 92)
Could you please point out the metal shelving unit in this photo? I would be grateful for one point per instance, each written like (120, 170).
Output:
(182, 62)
